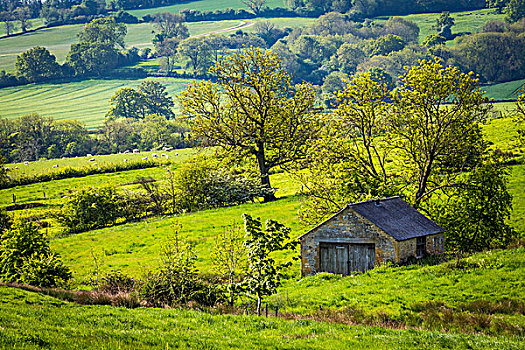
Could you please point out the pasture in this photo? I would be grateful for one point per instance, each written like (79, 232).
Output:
(465, 22)
(86, 100)
(202, 5)
(59, 39)
(31, 320)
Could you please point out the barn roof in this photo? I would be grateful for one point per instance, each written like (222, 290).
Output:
(394, 216)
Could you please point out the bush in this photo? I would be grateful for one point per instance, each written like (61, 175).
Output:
(45, 270)
(200, 184)
(25, 257)
(178, 282)
(116, 282)
(89, 209)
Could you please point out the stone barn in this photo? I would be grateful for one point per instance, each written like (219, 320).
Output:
(366, 234)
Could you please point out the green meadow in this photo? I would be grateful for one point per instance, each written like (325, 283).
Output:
(134, 246)
(86, 100)
(32, 321)
(202, 5)
(465, 22)
(59, 39)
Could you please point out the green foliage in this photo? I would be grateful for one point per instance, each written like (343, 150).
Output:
(263, 273)
(229, 260)
(252, 110)
(520, 117)
(89, 208)
(198, 53)
(385, 45)
(431, 135)
(45, 270)
(514, 11)
(151, 97)
(97, 51)
(496, 57)
(200, 184)
(37, 64)
(349, 161)
(177, 282)
(25, 257)
(476, 215)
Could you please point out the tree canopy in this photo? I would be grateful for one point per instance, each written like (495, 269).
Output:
(37, 64)
(252, 109)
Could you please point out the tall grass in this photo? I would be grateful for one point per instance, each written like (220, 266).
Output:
(30, 320)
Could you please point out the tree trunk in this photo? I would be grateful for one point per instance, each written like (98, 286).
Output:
(264, 172)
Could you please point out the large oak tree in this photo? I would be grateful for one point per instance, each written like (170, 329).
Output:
(252, 108)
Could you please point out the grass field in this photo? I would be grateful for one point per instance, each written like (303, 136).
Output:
(34, 22)
(32, 321)
(504, 91)
(468, 21)
(86, 101)
(59, 39)
(202, 5)
(200, 227)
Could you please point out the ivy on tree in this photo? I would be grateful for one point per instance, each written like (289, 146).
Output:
(252, 109)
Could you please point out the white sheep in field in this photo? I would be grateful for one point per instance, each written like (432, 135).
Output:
(92, 159)
(26, 163)
(126, 151)
(125, 160)
(145, 158)
(154, 155)
(55, 165)
(136, 150)
(89, 155)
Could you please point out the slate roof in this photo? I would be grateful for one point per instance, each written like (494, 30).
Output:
(397, 218)
(394, 216)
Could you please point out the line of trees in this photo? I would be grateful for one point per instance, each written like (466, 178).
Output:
(32, 137)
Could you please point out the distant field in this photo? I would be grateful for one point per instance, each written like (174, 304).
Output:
(35, 23)
(468, 21)
(202, 5)
(504, 91)
(59, 39)
(86, 101)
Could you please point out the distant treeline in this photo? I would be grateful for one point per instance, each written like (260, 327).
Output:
(33, 137)
(16, 13)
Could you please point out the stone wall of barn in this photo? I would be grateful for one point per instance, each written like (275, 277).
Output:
(347, 227)
(436, 244)
(407, 249)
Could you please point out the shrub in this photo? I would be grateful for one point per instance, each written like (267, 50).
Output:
(45, 270)
(178, 282)
(116, 282)
(89, 209)
(200, 184)
(25, 257)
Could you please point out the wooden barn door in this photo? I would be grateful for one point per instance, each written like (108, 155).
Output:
(334, 258)
(345, 258)
(362, 257)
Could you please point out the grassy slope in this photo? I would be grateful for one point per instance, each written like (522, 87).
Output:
(86, 101)
(465, 22)
(201, 226)
(503, 91)
(202, 5)
(31, 321)
(494, 275)
(58, 39)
